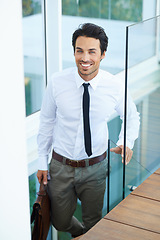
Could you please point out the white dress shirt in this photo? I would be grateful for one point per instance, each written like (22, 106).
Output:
(61, 118)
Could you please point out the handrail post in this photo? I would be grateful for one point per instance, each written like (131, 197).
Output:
(108, 189)
(125, 113)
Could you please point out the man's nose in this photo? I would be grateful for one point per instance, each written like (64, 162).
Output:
(85, 57)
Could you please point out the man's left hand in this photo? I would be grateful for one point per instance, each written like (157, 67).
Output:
(120, 150)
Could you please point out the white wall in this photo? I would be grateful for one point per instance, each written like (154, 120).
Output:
(14, 197)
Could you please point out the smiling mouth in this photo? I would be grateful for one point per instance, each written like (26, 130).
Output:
(85, 65)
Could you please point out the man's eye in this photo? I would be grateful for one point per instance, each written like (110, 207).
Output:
(79, 51)
(93, 52)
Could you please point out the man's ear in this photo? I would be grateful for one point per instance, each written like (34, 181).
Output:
(103, 55)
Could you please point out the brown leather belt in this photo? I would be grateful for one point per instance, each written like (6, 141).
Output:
(80, 163)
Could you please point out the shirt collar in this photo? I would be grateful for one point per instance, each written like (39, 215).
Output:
(93, 82)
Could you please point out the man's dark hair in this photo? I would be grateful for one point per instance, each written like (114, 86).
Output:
(93, 31)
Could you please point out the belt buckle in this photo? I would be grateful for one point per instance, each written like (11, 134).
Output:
(73, 161)
(77, 163)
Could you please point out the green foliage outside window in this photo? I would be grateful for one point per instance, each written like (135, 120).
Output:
(30, 7)
(129, 10)
(126, 10)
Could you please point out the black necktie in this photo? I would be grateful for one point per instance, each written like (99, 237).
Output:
(87, 132)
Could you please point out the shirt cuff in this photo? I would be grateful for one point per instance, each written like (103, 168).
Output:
(129, 144)
(43, 163)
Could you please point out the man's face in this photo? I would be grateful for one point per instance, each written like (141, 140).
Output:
(88, 56)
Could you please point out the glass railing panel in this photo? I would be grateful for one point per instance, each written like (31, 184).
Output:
(143, 80)
(116, 177)
(142, 41)
(114, 187)
(136, 173)
(114, 180)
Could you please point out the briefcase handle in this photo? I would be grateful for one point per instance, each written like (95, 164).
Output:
(42, 189)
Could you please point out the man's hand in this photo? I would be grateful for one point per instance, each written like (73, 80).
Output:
(42, 175)
(120, 150)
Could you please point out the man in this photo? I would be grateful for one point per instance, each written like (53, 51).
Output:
(78, 168)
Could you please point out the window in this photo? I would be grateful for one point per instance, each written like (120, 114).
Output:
(33, 49)
(126, 10)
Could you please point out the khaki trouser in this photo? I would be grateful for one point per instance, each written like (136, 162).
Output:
(66, 185)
